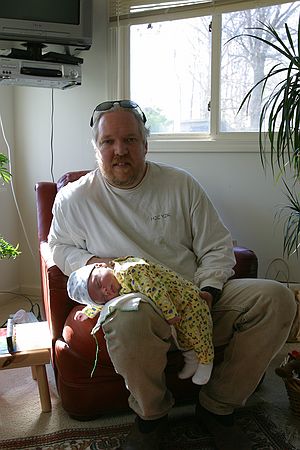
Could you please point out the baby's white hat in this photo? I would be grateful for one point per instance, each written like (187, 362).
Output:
(77, 285)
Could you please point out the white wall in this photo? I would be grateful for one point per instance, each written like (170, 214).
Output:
(244, 196)
(9, 225)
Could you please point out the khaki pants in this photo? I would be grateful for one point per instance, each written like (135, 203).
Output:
(252, 318)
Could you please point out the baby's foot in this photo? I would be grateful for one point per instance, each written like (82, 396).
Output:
(190, 365)
(202, 374)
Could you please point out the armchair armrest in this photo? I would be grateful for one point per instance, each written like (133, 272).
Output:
(246, 263)
(45, 195)
(57, 303)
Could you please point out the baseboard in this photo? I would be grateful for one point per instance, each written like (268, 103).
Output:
(33, 292)
(8, 294)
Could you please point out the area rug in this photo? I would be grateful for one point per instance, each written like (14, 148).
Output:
(183, 434)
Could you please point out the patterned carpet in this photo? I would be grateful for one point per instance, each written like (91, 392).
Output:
(183, 434)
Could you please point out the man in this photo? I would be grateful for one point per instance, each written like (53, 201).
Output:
(130, 206)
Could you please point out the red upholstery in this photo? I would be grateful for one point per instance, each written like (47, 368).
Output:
(74, 348)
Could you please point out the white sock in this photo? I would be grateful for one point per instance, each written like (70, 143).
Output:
(202, 374)
(191, 364)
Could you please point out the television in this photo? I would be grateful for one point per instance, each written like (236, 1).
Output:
(37, 22)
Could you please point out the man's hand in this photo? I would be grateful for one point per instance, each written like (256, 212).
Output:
(96, 259)
(208, 298)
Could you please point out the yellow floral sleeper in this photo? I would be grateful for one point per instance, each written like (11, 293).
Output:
(174, 296)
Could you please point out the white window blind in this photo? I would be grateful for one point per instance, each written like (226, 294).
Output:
(141, 11)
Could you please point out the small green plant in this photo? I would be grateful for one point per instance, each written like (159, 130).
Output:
(4, 173)
(7, 250)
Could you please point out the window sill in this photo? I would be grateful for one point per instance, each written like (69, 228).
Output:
(224, 142)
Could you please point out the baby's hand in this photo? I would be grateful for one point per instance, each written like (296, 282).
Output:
(174, 320)
(79, 315)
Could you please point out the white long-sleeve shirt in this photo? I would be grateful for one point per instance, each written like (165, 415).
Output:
(167, 218)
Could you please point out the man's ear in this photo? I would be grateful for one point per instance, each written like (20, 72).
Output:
(146, 147)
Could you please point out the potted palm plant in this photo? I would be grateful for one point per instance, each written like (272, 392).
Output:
(7, 250)
(279, 122)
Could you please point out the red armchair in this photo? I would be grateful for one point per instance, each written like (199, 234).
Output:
(73, 347)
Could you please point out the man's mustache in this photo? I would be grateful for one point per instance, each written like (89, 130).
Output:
(121, 161)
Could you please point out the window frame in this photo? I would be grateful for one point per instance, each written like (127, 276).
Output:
(216, 140)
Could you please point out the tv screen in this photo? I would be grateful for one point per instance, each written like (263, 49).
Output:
(58, 11)
(66, 22)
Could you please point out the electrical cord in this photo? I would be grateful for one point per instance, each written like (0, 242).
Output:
(278, 270)
(280, 267)
(14, 194)
(34, 307)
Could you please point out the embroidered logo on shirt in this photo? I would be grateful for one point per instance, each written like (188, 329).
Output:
(161, 216)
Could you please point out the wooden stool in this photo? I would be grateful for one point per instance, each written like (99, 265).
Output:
(33, 344)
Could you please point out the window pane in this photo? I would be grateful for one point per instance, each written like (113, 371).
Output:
(170, 74)
(245, 61)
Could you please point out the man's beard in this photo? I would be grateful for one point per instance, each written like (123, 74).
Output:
(114, 180)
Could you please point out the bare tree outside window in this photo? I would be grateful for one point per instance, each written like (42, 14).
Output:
(171, 69)
(245, 61)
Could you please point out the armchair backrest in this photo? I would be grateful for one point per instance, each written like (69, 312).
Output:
(45, 195)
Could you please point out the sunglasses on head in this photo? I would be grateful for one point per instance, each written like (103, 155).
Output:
(106, 106)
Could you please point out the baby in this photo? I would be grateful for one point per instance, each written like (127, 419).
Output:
(179, 301)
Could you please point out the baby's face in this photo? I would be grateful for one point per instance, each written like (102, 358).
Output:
(103, 285)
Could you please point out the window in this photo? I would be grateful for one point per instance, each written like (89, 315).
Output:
(245, 61)
(175, 58)
(184, 69)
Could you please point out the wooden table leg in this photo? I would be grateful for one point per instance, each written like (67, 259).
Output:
(33, 372)
(42, 380)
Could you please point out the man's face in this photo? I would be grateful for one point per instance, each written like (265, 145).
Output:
(121, 149)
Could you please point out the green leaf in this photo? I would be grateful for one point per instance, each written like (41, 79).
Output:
(7, 250)
(4, 173)
(291, 213)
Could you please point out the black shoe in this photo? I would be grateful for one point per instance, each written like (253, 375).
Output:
(136, 440)
(225, 433)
